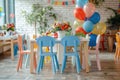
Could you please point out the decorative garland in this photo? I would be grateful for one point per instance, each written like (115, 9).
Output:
(119, 7)
(57, 2)
(72, 2)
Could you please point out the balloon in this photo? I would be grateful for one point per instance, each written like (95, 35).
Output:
(81, 3)
(95, 18)
(92, 41)
(1, 14)
(79, 14)
(78, 23)
(89, 9)
(88, 26)
(0, 9)
(80, 30)
(99, 28)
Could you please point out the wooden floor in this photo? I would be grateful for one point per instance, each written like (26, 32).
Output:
(110, 70)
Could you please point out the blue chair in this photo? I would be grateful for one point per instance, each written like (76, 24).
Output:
(71, 41)
(47, 41)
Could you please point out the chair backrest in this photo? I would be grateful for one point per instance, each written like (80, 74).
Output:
(118, 39)
(20, 43)
(45, 41)
(98, 41)
(70, 41)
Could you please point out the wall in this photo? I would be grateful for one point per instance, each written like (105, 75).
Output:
(64, 12)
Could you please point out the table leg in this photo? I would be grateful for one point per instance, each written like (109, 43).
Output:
(60, 53)
(86, 56)
(81, 58)
(12, 50)
(31, 58)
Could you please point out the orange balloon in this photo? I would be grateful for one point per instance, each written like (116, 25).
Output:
(80, 30)
(79, 14)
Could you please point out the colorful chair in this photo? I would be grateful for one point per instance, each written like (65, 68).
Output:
(47, 41)
(22, 53)
(35, 46)
(67, 42)
(117, 51)
(96, 51)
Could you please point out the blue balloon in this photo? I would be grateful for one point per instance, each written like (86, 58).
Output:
(92, 41)
(88, 26)
(1, 14)
(81, 3)
(95, 18)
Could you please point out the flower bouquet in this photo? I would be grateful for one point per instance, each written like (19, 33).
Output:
(64, 26)
(61, 29)
(10, 27)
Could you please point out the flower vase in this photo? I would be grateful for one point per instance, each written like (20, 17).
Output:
(61, 34)
(10, 32)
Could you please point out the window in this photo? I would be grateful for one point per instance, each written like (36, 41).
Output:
(8, 8)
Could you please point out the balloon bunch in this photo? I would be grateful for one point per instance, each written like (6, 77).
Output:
(1, 13)
(86, 17)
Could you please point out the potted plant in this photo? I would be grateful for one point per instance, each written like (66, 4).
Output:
(114, 21)
(40, 16)
(113, 27)
(97, 2)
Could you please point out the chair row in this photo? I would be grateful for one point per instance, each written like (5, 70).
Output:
(47, 41)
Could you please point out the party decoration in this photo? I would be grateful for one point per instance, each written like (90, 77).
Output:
(89, 9)
(81, 3)
(1, 14)
(119, 7)
(73, 1)
(78, 23)
(57, 2)
(80, 31)
(92, 41)
(99, 28)
(95, 18)
(61, 26)
(88, 26)
(79, 14)
(85, 11)
(12, 15)
(0, 9)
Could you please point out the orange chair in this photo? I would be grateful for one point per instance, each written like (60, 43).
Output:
(117, 52)
(22, 53)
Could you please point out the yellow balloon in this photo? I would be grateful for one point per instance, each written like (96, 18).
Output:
(78, 23)
(99, 28)
(0, 9)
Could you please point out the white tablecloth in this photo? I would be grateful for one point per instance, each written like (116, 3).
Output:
(8, 37)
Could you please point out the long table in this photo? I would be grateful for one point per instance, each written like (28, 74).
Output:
(83, 48)
(10, 40)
